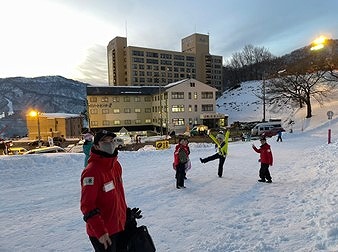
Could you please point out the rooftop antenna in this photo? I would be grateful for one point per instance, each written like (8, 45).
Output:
(126, 27)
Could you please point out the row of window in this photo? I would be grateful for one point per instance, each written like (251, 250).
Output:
(164, 74)
(175, 122)
(191, 68)
(174, 109)
(162, 55)
(117, 99)
(164, 62)
(174, 95)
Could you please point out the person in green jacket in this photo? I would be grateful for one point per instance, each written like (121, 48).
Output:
(87, 145)
(221, 142)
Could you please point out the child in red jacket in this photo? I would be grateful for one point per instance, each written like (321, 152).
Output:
(265, 160)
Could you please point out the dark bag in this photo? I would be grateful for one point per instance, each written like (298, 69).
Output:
(140, 241)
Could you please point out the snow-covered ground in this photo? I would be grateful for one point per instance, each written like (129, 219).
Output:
(39, 207)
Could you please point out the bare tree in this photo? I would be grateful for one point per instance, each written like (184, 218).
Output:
(302, 88)
(248, 63)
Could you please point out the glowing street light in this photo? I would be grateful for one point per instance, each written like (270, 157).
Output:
(34, 113)
(318, 43)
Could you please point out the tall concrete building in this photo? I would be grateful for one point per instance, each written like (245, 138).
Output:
(138, 66)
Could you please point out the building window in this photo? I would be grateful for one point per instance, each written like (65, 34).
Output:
(177, 95)
(147, 110)
(190, 108)
(196, 108)
(189, 95)
(147, 99)
(104, 99)
(177, 108)
(137, 110)
(152, 54)
(126, 99)
(116, 99)
(94, 111)
(105, 123)
(116, 111)
(138, 60)
(117, 122)
(105, 111)
(207, 95)
(137, 53)
(195, 96)
(94, 123)
(178, 121)
(147, 121)
(93, 99)
(127, 110)
(137, 99)
(137, 121)
(127, 122)
(192, 84)
(178, 57)
(190, 58)
(207, 107)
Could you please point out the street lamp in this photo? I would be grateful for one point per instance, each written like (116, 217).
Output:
(34, 113)
(318, 43)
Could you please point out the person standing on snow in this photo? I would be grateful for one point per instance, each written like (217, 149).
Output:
(222, 151)
(181, 158)
(103, 203)
(279, 136)
(266, 160)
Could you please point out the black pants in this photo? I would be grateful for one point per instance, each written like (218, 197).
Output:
(118, 243)
(180, 173)
(264, 172)
(220, 164)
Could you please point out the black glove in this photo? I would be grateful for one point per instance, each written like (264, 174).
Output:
(132, 215)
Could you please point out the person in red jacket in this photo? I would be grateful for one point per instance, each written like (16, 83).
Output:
(103, 202)
(266, 160)
(181, 159)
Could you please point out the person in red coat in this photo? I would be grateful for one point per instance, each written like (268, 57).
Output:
(266, 160)
(103, 202)
(181, 158)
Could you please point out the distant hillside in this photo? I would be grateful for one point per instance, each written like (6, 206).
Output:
(49, 94)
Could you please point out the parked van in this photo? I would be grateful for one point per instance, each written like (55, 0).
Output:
(269, 129)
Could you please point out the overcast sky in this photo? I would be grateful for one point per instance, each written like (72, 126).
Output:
(69, 37)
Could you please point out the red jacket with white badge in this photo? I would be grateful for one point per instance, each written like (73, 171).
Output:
(265, 153)
(102, 189)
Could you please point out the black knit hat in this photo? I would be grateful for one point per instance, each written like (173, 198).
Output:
(101, 134)
(262, 138)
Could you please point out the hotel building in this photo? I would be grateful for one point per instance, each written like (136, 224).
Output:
(138, 66)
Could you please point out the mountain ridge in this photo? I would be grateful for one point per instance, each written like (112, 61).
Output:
(49, 94)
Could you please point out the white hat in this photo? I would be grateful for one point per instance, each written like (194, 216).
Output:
(88, 137)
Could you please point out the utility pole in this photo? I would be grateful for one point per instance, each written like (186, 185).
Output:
(264, 98)
(160, 100)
